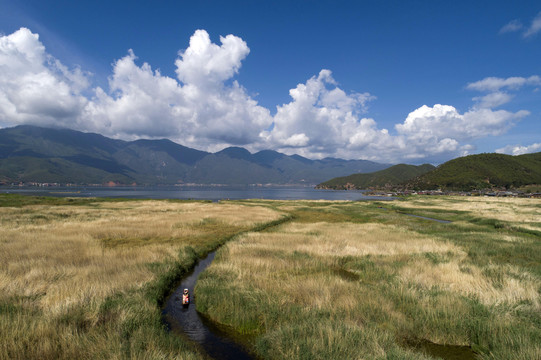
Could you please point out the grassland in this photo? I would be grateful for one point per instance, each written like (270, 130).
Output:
(365, 281)
(84, 278)
(516, 212)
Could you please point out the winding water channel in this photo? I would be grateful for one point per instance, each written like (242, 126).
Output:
(186, 320)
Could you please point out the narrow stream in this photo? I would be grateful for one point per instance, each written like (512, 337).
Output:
(186, 320)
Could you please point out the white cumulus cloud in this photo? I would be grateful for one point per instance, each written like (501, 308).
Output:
(197, 109)
(519, 150)
(320, 118)
(204, 63)
(444, 121)
(34, 87)
(441, 129)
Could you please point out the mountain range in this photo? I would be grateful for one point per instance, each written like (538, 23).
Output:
(37, 154)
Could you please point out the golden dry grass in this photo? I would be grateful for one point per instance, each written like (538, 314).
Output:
(524, 212)
(253, 258)
(58, 254)
(55, 260)
(512, 286)
(349, 239)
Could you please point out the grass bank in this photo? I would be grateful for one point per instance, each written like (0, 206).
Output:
(362, 280)
(85, 278)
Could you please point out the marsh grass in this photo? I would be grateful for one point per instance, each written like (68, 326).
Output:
(518, 212)
(85, 279)
(354, 280)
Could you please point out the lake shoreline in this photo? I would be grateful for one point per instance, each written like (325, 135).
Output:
(200, 192)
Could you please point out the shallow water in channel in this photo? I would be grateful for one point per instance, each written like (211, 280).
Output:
(187, 321)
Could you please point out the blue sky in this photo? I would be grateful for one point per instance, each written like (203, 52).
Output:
(390, 81)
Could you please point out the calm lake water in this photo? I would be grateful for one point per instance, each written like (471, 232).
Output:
(213, 193)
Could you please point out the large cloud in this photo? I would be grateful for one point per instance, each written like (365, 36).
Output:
(320, 119)
(441, 129)
(206, 64)
(205, 108)
(199, 109)
(34, 87)
(441, 121)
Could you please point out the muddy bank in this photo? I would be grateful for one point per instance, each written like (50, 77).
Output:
(445, 352)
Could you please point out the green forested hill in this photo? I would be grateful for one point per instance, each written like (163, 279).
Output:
(481, 172)
(389, 177)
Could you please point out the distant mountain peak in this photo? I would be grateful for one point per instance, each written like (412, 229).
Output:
(236, 152)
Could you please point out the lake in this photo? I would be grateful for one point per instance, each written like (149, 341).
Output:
(213, 193)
